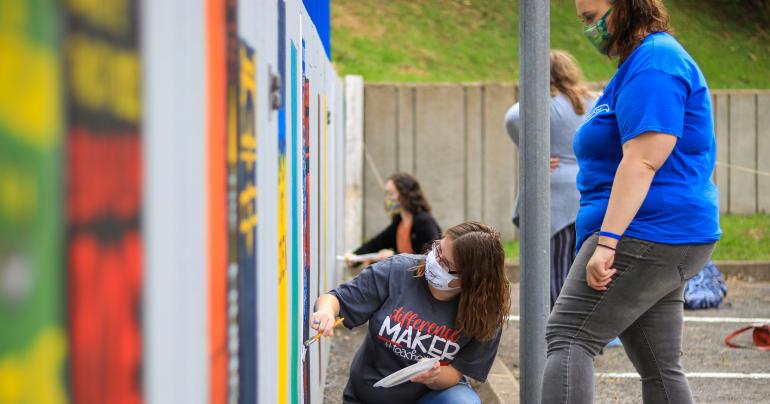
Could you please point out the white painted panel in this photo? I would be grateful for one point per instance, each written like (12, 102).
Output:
(174, 221)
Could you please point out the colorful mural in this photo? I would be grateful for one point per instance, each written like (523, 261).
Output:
(306, 221)
(233, 273)
(95, 301)
(104, 193)
(33, 343)
(216, 164)
(296, 272)
(283, 313)
(247, 221)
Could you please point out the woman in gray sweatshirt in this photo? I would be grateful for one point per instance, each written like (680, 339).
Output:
(570, 99)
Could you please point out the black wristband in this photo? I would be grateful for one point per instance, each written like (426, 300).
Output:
(605, 246)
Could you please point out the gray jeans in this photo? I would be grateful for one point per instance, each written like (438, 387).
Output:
(643, 305)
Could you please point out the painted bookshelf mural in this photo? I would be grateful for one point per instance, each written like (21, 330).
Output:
(168, 200)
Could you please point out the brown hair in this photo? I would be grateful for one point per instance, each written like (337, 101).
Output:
(566, 78)
(410, 194)
(486, 296)
(632, 21)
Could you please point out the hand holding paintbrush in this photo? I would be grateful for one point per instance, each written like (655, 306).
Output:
(323, 328)
(321, 324)
(323, 320)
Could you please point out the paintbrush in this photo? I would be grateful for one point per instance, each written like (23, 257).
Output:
(318, 336)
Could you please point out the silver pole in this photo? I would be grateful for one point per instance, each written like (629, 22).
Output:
(534, 82)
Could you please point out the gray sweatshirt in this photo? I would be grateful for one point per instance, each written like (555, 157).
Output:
(565, 198)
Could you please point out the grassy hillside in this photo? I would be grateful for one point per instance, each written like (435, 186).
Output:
(477, 40)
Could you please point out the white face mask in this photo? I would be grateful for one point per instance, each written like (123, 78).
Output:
(437, 276)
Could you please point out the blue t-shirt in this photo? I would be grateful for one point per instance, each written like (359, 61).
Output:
(659, 88)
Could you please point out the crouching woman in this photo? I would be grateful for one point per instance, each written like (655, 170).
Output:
(451, 304)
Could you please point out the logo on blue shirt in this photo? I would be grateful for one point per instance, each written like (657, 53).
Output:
(596, 111)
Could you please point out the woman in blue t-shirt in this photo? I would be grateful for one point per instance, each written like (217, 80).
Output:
(648, 217)
(450, 304)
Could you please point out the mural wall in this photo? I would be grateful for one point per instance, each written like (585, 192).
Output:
(222, 388)
(169, 190)
(103, 201)
(307, 222)
(33, 341)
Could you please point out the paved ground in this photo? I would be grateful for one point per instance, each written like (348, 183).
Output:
(704, 351)
(344, 347)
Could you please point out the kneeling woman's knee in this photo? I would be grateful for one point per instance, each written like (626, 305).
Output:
(461, 393)
(464, 395)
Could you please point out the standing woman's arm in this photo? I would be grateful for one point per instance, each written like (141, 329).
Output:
(513, 128)
(512, 123)
(642, 157)
(383, 240)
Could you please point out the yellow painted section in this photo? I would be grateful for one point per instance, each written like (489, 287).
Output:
(19, 194)
(106, 15)
(34, 376)
(32, 362)
(29, 82)
(283, 312)
(232, 130)
(105, 78)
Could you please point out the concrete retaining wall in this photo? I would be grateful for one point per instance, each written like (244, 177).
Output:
(451, 136)
(742, 125)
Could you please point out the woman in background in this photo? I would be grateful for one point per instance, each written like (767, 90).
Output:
(570, 99)
(412, 229)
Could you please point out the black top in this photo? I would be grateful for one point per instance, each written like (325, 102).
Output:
(425, 230)
(406, 323)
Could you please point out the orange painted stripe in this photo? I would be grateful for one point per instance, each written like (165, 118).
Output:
(216, 169)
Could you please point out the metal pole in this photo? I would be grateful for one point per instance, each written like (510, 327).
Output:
(534, 82)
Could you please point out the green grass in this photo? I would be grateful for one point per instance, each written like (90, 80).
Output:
(512, 250)
(477, 40)
(743, 238)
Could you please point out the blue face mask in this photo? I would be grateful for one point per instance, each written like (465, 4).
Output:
(598, 34)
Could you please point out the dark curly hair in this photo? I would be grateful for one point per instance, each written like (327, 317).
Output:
(632, 21)
(410, 194)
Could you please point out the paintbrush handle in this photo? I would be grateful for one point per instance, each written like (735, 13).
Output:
(319, 335)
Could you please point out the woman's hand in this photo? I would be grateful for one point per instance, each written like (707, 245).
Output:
(384, 254)
(349, 260)
(428, 376)
(323, 321)
(599, 270)
(554, 163)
